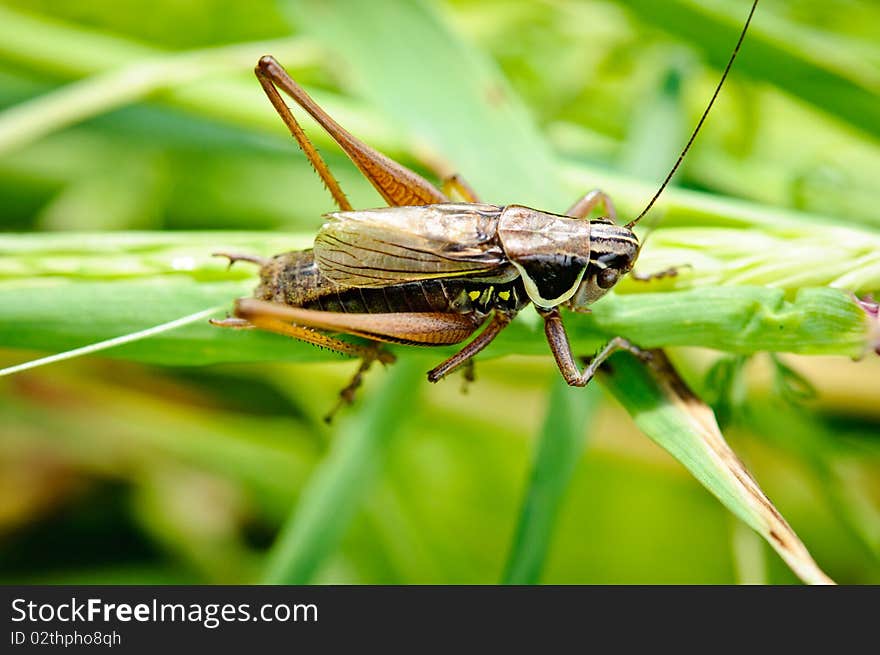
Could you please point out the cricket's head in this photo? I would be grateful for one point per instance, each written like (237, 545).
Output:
(613, 253)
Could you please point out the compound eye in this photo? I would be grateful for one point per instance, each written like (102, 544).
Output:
(607, 278)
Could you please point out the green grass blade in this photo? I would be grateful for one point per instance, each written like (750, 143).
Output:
(341, 480)
(55, 316)
(558, 451)
(668, 412)
(60, 291)
(118, 71)
(738, 319)
(109, 90)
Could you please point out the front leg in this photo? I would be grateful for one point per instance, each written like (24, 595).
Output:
(561, 349)
(591, 200)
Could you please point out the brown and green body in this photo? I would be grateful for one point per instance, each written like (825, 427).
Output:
(432, 275)
(295, 280)
(427, 271)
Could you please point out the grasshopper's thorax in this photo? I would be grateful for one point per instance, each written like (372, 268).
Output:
(564, 260)
(551, 252)
(613, 252)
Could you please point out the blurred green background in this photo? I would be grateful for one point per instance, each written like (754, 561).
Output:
(118, 472)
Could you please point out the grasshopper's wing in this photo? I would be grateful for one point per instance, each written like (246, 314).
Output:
(392, 245)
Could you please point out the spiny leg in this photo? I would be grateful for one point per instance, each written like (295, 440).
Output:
(317, 339)
(500, 320)
(267, 76)
(592, 199)
(561, 349)
(416, 328)
(368, 354)
(397, 184)
(346, 395)
(456, 183)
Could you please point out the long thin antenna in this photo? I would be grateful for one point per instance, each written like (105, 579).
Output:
(702, 119)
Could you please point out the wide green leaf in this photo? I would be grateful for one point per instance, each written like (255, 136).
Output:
(669, 412)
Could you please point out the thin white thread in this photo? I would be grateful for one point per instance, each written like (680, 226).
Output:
(110, 343)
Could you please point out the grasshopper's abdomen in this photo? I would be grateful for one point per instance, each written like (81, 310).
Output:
(294, 279)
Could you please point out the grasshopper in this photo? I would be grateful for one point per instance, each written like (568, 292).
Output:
(426, 271)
